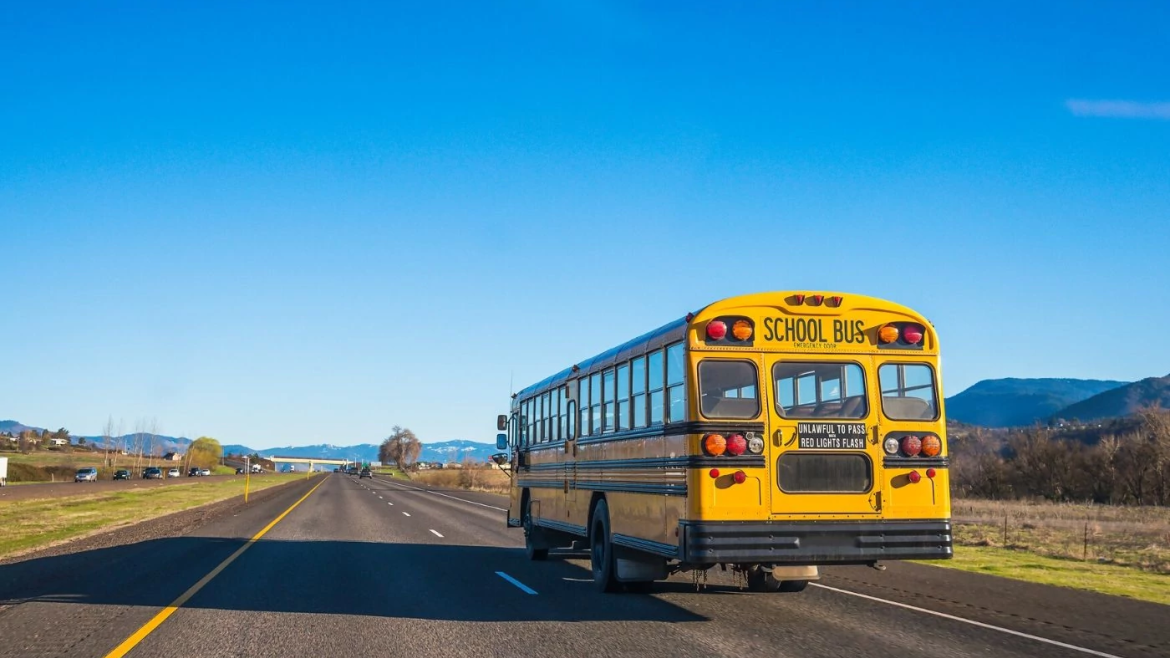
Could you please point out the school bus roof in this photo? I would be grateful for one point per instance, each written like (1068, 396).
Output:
(677, 330)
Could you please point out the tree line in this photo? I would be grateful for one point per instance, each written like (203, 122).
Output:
(1126, 462)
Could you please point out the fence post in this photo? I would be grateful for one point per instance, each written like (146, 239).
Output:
(1005, 530)
(1085, 553)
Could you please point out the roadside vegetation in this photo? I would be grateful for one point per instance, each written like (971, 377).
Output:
(32, 524)
(474, 477)
(1103, 548)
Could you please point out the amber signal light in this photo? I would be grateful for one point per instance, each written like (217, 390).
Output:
(714, 444)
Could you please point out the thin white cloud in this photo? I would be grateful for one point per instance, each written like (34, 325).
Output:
(1119, 109)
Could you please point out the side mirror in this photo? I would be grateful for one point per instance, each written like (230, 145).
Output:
(501, 422)
(501, 442)
(500, 458)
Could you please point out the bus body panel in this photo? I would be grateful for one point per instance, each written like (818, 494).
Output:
(668, 498)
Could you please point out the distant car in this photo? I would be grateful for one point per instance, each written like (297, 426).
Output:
(193, 473)
(121, 474)
(366, 474)
(152, 473)
(240, 471)
(205, 471)
(174, 473)
(337, 470)
(86, 475)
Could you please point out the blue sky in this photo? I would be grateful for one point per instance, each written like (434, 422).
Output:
(297, 223)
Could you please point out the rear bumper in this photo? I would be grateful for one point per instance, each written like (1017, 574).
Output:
(817, 542)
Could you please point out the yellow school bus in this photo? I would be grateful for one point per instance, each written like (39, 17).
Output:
(770, 433)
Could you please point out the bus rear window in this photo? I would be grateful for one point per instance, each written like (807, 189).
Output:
(820, 390)
(729, 389)
(908, 391)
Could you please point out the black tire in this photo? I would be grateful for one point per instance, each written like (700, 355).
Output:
(793, 585)
(533, 553)
(761, 580)
(601, 551)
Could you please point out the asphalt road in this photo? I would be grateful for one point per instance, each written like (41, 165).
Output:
(376, 568)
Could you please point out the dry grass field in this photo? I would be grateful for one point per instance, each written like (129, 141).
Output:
(475, 479)
(1124, 551)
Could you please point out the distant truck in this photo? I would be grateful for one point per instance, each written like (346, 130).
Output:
(3, 471)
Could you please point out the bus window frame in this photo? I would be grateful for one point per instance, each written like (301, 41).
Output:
(699, 388)
(901, 378)
(795, 400)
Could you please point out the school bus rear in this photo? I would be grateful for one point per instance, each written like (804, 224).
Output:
(829, 444)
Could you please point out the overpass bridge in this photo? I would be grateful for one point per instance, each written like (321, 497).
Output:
(311, 461)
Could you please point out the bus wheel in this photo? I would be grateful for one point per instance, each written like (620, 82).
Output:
(601, 551)
(760, 579)
(793, 585)
(530, 549)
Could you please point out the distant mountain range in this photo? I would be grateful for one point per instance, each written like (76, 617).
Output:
(456, 450)
(1018, 402)
(1121, 401)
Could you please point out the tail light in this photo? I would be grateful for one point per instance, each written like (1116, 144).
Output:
(888, 333)
(912, 334)
(911, 446)
(716, 329)
(931, 446)
(914, 477)
(736, 445)
(741, 330)
(739, 476)
(930, 473)
(714, 444)
(714, 473)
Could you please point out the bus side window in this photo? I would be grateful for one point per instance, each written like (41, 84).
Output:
(676, 391)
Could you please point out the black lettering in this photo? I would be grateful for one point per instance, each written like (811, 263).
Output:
(858, 332)
(768, 329)
(839, 331)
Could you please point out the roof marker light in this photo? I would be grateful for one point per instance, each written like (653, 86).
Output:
(816, 300)
(798, 299)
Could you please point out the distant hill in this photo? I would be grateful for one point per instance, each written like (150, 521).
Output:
(456, 450)
(1121, 401)
(444, 451)
(1018, 402)
(16, 428)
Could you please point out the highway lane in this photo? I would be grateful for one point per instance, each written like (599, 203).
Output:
(381, 567)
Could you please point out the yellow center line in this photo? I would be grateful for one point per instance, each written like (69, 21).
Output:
(157, 620)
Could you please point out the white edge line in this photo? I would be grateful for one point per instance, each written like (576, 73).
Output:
(389, 503)
(436, 532)
(523, 588)
(462, 500)
(406, 513)
(968, 621)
